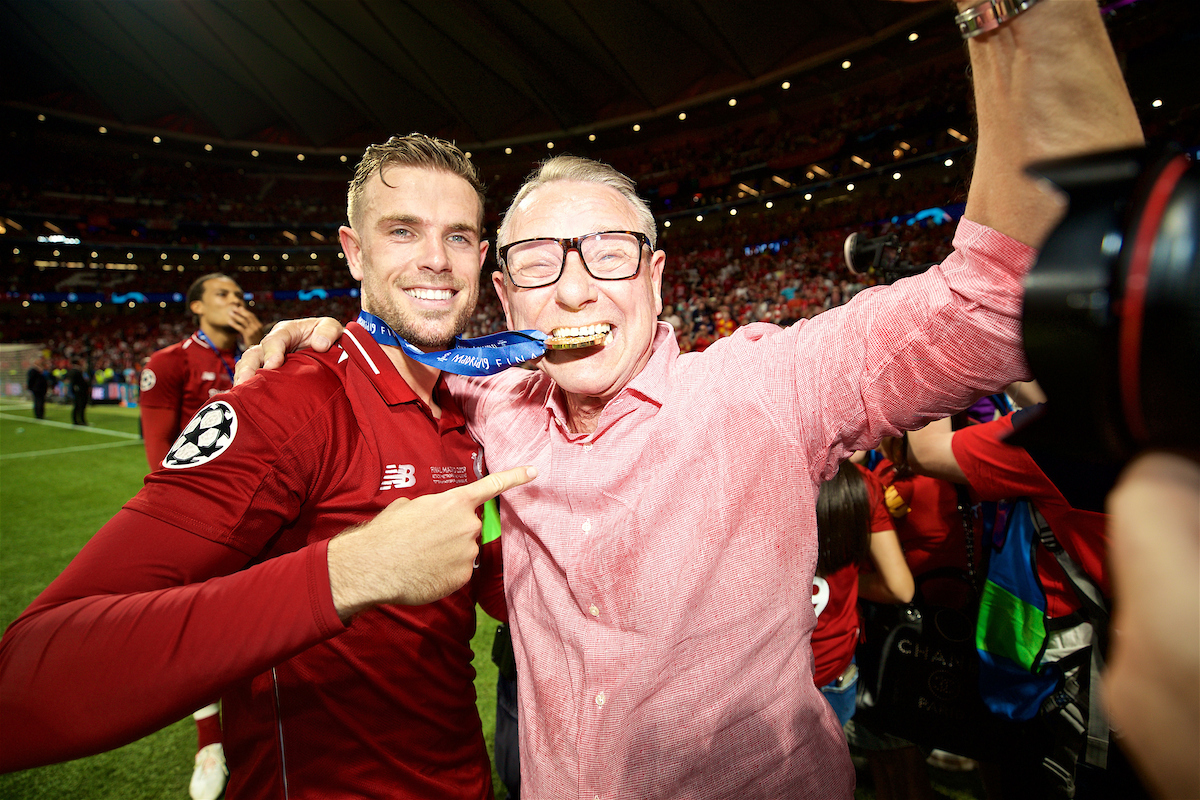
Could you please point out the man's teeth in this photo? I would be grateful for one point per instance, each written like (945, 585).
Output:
(430, 294)
(586, 330)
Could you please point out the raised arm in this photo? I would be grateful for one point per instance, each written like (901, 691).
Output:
(1047, 85)
(931, 452)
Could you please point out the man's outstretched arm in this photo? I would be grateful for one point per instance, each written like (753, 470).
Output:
(150, 622)
(285, 337)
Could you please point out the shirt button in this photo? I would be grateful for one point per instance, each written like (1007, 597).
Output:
(587, 447)
(595, 612)
(600, 698)
(587, 525)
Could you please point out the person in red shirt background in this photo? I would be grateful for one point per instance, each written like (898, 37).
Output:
(995, 469)
(180, 379)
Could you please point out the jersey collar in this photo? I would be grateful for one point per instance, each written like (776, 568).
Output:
(370, 358)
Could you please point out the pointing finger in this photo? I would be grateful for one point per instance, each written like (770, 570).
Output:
(490, 486)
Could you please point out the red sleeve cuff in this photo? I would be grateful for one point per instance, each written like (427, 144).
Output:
(320, 592)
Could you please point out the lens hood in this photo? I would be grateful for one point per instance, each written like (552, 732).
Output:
(1111, 318)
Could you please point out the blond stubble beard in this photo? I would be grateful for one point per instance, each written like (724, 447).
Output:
(408, 326)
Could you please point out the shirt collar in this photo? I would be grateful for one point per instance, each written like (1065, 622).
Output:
(651, 383)
(197, 339)
(369, 357)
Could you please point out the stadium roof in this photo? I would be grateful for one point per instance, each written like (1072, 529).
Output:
(336, 74)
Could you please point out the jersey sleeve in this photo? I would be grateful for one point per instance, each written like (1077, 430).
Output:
(994, 469)
(161, 402)
(148, 623)
(881, 520)
(248, 461)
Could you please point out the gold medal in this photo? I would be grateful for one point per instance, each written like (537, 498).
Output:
(573, 342)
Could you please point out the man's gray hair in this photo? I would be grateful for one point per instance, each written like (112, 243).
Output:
(574, 168)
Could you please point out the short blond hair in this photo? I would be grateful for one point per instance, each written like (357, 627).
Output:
(585, 170)
(413, 150)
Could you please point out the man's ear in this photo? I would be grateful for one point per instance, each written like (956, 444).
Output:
(353, 251)
(194, 310)
(501, 290)
(658, 262)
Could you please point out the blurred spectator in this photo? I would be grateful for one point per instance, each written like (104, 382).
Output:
(38, 384)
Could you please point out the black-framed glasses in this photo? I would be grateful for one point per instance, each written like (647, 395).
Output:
(606, 255)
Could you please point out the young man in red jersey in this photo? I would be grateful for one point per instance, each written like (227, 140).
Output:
(308, 552)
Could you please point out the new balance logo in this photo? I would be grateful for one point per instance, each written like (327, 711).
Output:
(398, 476)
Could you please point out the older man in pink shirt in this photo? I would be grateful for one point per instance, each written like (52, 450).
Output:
(659, 571)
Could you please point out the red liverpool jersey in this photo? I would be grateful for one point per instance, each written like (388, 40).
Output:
(239, 605)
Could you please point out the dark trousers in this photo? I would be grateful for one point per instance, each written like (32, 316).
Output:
(39, 405)
(78, 412)
(508, 760)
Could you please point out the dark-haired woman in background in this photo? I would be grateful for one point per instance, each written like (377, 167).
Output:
(852, 524)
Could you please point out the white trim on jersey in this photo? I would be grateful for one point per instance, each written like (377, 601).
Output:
(374, 368)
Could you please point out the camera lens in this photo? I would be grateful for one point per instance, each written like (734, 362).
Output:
(1112, 306)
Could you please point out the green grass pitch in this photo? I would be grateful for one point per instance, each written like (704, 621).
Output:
(58, 485)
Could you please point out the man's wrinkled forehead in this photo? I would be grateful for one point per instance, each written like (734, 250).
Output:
(570, 208)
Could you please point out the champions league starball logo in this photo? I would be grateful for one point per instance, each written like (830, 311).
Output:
(208, 435)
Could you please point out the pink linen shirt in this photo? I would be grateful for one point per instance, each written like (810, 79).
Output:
(659, 570)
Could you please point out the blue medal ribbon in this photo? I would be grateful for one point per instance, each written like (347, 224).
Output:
(237, 353)
(485, 355)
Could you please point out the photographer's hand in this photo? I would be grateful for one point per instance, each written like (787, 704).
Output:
(1152, 686)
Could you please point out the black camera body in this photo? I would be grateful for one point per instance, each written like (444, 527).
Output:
(1111, 320)
(880, 255)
